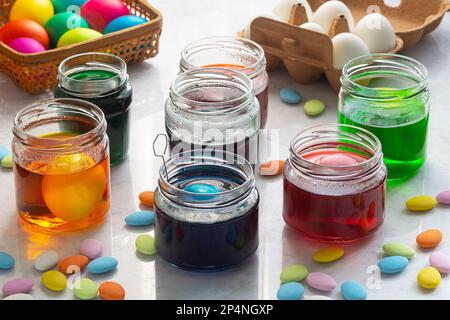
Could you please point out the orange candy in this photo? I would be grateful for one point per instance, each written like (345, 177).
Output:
(70, 264)
(429, 238)
(111, 290)
(146, 198)
(271, 168)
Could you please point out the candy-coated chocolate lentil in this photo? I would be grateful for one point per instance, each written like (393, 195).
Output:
(111, 290)
(328, 254)
(321, 281)
(46, 260)
(429, 238)
(290, 291)
(73, 264)
(91, 248)
(140, 218)
(293, 273)
(351, 290)
(19, 296)
(54, 280)
(271, 168)
(429, 278)
(146, 244)
(398, 249)
(421, 203)
(6, 261)
(7, 161)
(290, 96)
(146, 198)
(17, 285)
(314, 107)
(440, 261)
(443, 197)
(3, 152)
(393, 264)
(102, 265)
(85, 289)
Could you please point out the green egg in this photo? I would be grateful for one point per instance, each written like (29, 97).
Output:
(62, 22)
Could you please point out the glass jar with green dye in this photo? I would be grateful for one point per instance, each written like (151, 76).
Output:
(101, 79)
(389, 95)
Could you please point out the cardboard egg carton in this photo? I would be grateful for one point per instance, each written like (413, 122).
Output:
(307, 55)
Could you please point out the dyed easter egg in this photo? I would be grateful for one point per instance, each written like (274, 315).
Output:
(19, 296)
(18, 285)
(68, 5)
(99, 13)
(73, 264)
(77, 35)
(24, 29)
(54, 280)
(328, 254)
(111, 290)
(313, 107)
(85, 289)
(293, 273)
(7, 162)
(62, 22)
(6, 261)
(146, 244)
(3, 152)
(429, 238)
(440, 261)
(337, 160)
(321, 281)
(290, 291)
(46, 260)
(290, 96)
(140, 218)
(429, 278)
(393, 264)
(36, 10)
(123, 22)
(398, 249)
(146, 198)
(443, 197)
(271, 168)
(201, 188)
(102, 265)
(351, 290)
(91, 248)
(26, 45)
(421, 203)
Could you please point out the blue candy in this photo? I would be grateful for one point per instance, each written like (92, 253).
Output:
(102, 265)
(290, 291)
(290, 96)
(3, 152)
(123, 22)
(6, 261)
(393, 264)
(140, 218)
(352, 290)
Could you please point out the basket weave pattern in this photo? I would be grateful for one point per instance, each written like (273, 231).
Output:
(37, 72)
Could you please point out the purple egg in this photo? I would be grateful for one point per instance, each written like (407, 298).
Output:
(26, 45)
(91, 248)
(18, 285)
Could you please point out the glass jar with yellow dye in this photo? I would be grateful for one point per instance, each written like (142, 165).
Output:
(61, 164)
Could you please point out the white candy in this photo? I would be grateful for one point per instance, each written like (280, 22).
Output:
(19, 296)
(46, 260)
(317, 297)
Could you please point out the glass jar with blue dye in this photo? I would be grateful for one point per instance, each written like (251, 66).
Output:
(206, 211)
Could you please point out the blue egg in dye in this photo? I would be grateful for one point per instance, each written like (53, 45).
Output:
(202, 189)
(123, 22)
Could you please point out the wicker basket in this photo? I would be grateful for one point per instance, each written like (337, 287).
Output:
(37, 72)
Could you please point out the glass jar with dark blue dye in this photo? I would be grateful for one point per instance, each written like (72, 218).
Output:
(101, 79)
(206, 211)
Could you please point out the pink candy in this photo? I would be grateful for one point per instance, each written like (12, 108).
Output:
(18, 285)
(321, 281)
(443, 197)
(91, 248)
(440, 261)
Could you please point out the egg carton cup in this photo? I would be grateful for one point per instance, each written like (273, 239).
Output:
(38, 72)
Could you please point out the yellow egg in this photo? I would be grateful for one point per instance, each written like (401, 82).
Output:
(77, 35)
(37, 10)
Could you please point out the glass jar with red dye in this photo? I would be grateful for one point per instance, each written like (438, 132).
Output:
(233, 53)
(334, 183)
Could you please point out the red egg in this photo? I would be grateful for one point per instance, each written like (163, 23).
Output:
(98, 13)
(24, 29)
(26, 45)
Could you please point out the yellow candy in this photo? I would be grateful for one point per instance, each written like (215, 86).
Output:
(54, 280)
(328, 254)
(421, 203)
(429, 278)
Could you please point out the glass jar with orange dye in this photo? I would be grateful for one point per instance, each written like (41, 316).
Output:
(233, 53)
(61, 164)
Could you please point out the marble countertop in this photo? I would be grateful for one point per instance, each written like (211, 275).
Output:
(258, 278)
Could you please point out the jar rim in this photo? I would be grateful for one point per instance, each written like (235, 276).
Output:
(226, 42)
(76, 106)
(410, 65)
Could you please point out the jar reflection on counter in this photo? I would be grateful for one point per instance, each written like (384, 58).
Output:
(61, 165)
(101, 79)
(334, 183)
(213, 109)
(206, 230)
(234, 53)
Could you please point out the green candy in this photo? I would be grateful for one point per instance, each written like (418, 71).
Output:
(86, 289)
(146, 244)
(293, 273)
(314, 107)
(398, 249)
(61, 23)
(7, 161)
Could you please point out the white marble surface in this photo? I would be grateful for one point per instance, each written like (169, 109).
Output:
(153, 278)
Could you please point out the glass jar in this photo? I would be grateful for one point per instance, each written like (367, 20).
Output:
(334, 183)
(389, 95)
(213, 109)
(206, 210)
(101, 79)
(234, 53)
(61, 164)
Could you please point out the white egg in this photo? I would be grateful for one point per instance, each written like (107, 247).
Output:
(313, 27)
(347, 46)
(284, 7)
(269, 15)
(326, 13)
(377, 32)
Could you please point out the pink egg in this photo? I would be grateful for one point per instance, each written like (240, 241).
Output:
(440, 261)
(18, 285)
(443, 197)
(98, 13)
(321, 281)
(26, 45)
(338, 160)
